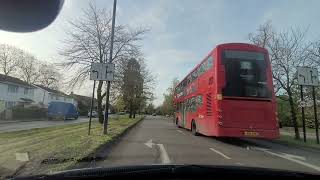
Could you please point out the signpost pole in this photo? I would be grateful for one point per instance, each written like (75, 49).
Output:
(106, 113)
(315, 114)
(303, 118)
(92, 100)
(309, 77)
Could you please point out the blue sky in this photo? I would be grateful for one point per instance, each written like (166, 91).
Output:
(182, 31)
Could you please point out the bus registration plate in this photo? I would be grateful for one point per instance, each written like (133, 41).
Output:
(251, 133)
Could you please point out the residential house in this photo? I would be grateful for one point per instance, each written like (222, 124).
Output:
(84, 103)
(43, 96)
(14, 91)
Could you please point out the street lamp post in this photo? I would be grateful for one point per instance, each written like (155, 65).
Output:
(106, 113)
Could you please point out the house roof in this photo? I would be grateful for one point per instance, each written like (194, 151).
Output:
(52, 90)
(82, 98)
(10, 79)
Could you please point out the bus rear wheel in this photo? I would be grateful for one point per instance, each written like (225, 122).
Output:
(194, 128)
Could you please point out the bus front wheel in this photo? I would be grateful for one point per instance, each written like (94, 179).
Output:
(177, 123)
(194, 128)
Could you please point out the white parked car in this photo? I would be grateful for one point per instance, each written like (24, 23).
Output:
(94, 114)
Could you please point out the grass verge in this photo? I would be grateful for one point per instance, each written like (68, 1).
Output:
(55, 148)
(289, 140)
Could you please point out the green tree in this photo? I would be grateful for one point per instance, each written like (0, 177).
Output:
(132, 87)
(284, 111)
(150, 109)
(119, 105)
(167, 106)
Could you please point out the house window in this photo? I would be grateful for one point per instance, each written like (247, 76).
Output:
(9, 104)
(12, 89)
(31, 92)
(26, 90)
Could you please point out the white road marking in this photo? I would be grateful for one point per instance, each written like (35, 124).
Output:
(164, 155)
(294, 156)
(291, 157)
(260, 149)
(240, 164)
(220, 153)
(149, 143)
(24, 157)
(181, 132)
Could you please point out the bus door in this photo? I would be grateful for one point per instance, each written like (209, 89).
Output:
(183, 111)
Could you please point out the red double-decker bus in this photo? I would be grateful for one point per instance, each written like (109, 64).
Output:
(229, 94)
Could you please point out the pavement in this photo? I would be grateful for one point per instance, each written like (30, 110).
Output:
(156, 140)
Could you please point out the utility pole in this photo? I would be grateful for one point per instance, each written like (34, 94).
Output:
(106, 113)
(303, 117)
(315, 113)
(91, 106)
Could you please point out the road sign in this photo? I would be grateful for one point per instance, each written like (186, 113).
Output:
(102, 71)
(308, 76)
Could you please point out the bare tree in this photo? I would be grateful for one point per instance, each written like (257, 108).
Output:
(49, 76)
(89, 41)
(28, 68)
(10, 57)
(265, 33)
(315, 52)
(287, 50)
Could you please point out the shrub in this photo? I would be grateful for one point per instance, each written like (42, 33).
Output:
(28, 113)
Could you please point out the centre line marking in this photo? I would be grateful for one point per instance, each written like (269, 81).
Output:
(220, 153)
(181, 132)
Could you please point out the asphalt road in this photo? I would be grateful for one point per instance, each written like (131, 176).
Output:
(156, 140)
(25, 125)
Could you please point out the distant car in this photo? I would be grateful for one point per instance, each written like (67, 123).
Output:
(154, 114)
(167, 115)
(94, 114)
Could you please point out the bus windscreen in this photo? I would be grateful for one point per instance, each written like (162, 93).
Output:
(245, 74)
